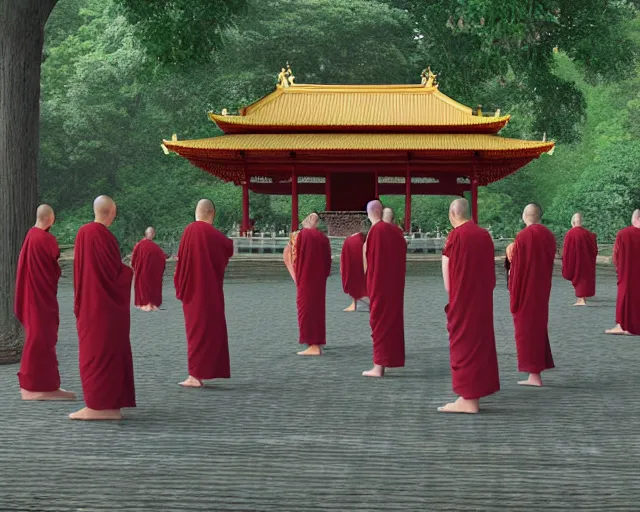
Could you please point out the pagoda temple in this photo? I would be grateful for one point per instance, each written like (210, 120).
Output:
(353, 143)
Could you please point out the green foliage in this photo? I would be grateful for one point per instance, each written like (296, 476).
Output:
(181, 31)
(120, 75)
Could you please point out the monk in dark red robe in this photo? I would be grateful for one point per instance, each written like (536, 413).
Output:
(148, 262)
(102, 305)
(386, 264)
(530, 278)
(579, 255)
(203, 256)
(626, 258)
(36, 307)
(308, 259)
(352, 269)
(468, 270)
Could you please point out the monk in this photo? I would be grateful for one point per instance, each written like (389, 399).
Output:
(385, 254)
(388, 215)
(579, 255)
(507, 262)
(530, 278)
(626, 255)
(468, 270)
(203, 256)
(36, 307)
(102, 305)
(309, 261)
(352, 269)
(148, 262)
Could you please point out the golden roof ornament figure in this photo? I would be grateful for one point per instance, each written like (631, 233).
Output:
(225, 112)
(428, 78)
(285, 77)
(290, 77)
(282, 78)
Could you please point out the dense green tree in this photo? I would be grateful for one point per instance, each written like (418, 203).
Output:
(21, 54)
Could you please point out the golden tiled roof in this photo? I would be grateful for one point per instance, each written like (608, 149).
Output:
(323, 142)
(371, 107)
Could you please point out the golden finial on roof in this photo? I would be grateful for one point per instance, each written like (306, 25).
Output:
(479, 111)
(428, 78)
(282, 78)
(290, 77)
(497, 114)
(174, 138)
(285, 77)
(225, 112)
(544, 137)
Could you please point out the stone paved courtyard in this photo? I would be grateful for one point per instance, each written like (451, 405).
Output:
(292, 434)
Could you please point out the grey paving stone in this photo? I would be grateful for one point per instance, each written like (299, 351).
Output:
(292, 434)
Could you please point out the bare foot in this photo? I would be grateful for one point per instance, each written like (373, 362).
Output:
(581, 302)
(534, 380)
(376, 371)
(87, 414)
(146, 308)
(461, 406)
(312, 350)
(618, 330)
(192, 382)
(351, 308)
(58, 395)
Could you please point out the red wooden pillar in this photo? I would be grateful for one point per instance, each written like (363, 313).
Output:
(377, 193)
(294, 200)
(474, 199)
(327, 192)
(407, 202)
(245, 207)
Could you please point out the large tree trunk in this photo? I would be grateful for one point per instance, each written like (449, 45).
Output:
(21, 39)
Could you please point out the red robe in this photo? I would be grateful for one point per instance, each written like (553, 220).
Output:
(203, 256)
(312, 265)
(148, 262)
(579, 261)
(626, 256)
(386, 268)
(36, 307)
(530, 286)
(352, 267)
(102, 305)
(472, 342)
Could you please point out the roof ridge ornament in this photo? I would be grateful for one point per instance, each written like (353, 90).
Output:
(428, 78)
(285, 77)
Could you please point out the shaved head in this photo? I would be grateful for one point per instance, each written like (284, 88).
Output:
(150, 233)
(635, 218)
(206, 211)
(388, 215)
(45, 216)
(104, 209)
(576, 220)
(374, 211)
(532, 214)
(459, 212)
(311, 221)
